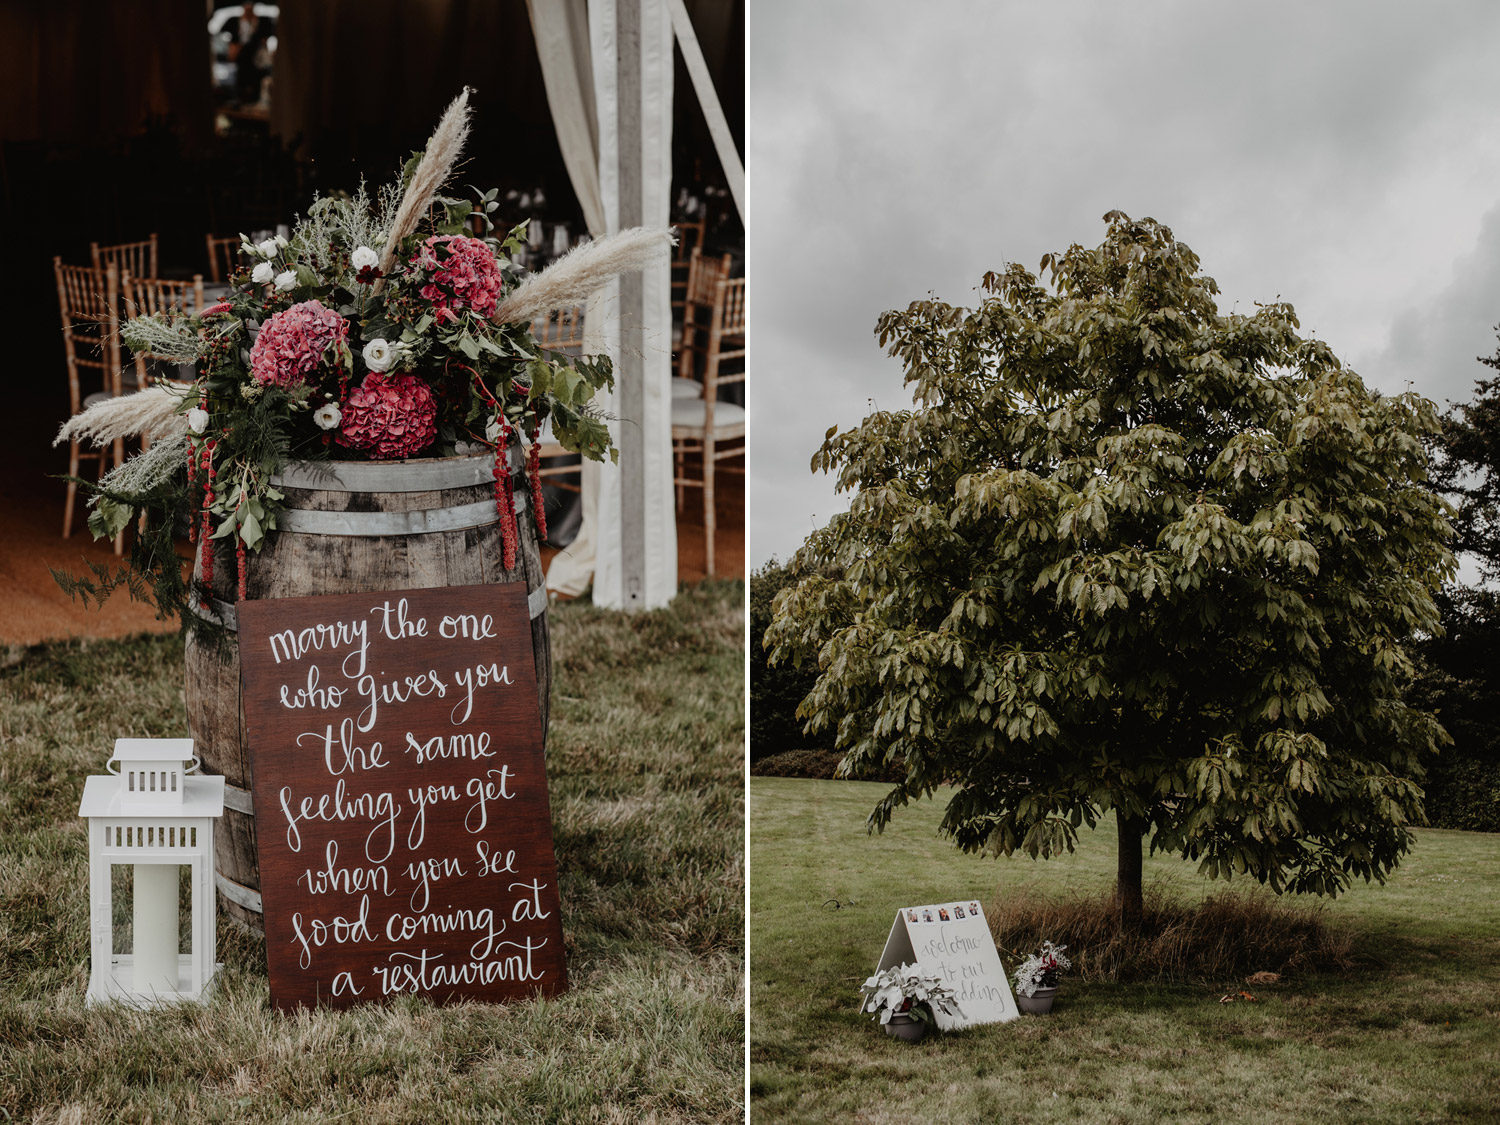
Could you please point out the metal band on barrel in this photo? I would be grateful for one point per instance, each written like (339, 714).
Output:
(387, 476)
(378, 525)
(238, 799)
(237, 893)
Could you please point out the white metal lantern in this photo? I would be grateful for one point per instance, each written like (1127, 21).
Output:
(156, 817)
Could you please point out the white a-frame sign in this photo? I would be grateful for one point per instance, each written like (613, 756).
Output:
(953, 940)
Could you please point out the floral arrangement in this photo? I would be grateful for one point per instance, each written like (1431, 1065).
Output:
(382, 328)
(1043, 969)
(907, 990)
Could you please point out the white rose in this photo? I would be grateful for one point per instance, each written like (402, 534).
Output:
(286, 280)
(364, 258)
(327, 417)
(197, 420)
(267, 249)
(262, 273)
(379, 355)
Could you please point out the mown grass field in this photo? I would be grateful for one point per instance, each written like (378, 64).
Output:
(1410, 1034)
(645, 763)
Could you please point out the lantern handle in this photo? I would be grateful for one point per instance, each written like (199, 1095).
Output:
(196, 761)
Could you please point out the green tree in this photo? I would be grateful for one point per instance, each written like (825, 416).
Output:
(1131, 554)
(775, 689)
(1458, 678)
(1459, 675)
(1467, 469)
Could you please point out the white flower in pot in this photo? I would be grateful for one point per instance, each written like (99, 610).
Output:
(1038, 976)
(904, 997)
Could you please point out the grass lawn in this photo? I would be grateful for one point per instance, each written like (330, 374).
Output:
(1411, 1034)
(645, 762)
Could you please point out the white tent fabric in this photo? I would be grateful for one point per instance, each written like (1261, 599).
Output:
(628, 541)
(561, 28)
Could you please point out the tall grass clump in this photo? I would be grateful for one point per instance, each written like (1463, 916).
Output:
(1225, 936)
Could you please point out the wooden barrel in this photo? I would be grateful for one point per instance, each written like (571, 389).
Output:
(349, 527)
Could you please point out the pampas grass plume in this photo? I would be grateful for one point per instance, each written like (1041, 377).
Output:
(151, 413)
(438, 158)
(577, 274)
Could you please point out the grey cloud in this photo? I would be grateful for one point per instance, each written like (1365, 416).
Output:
(1337, 155)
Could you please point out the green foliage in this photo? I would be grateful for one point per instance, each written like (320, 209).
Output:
(776, 689)
(1130, 553)
(1461, 669)
(1467, 470)
(1459, 679)
(821, 765)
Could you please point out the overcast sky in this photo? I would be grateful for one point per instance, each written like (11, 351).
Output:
(1343, 156)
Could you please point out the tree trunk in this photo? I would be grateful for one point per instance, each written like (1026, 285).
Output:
(1128, 895)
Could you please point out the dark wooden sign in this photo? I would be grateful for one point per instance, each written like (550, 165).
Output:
(401, 813)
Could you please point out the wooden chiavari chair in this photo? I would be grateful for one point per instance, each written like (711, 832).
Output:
(712, 429)
(704, 274)
(88, 300)
(138, 258)
(560, 331)
(148, 296)
(223, 257)
(689, 239)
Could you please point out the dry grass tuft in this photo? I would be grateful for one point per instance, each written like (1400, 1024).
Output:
(1225, 937)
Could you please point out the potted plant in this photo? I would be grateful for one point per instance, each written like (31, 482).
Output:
(1038, 977)
(904, 997)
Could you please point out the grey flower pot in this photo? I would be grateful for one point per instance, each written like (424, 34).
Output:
(1039, 1003)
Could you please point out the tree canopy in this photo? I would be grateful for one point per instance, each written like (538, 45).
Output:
(1459, 670)
(1468, 469)
(1129, 553)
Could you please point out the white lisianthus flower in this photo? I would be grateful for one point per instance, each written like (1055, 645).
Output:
(267, 249)
(247, 248)
(197, 420)
(262, 273)
(379, 355)
(364, 258)
(467, 448)
(492, 431)
(327, 416)
(286, 280)
(281, 240)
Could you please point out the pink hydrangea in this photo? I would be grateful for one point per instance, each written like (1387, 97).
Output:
(466, 276)
(293, 344)
(389, 416)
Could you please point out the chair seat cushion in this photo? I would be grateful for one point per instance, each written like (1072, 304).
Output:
(686, 388)
(689, 412)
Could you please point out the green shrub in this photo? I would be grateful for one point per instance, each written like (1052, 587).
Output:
(776, 690)
(1458, 677)
(821, 765)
